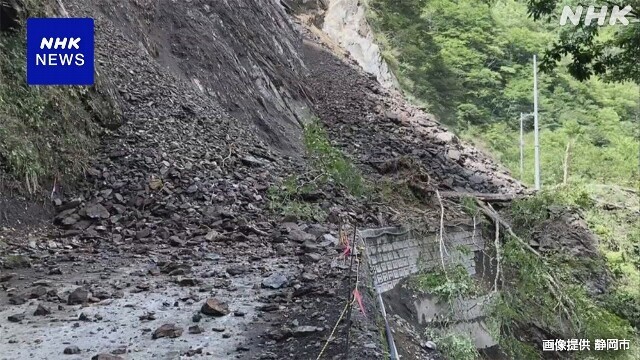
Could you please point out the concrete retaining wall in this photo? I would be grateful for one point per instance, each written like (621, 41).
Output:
(395, 253)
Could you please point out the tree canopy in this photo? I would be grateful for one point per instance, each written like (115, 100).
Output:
(609, 51)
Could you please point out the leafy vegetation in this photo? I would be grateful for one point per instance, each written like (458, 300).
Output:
(567, 312)
(471, 63)
(45, 132)
(610, 52)
(453, 345)
(330, 161)
(331, 167)
(447, 285)
(288, 199)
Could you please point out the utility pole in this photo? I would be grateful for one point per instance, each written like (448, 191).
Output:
(523, 117)
(521, 147)
(535, 123)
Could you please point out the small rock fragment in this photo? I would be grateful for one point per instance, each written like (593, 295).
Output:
(214, 307)
(78, 296)
(42, 310)
(430, 345)
(106, 357)
(15, 318)
(167, 330)
(195, 329)
(97, 211)
(305, 330)
(275, 281)
(71, 350)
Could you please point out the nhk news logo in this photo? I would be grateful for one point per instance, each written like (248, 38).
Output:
(60, 51)
(615, 15)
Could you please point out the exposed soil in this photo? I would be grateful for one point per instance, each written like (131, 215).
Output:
(21, 213)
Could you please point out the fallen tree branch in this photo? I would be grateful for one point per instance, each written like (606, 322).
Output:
(494, 215)
(552, 283)
(483, 196)
(442, 234)
(497, 246)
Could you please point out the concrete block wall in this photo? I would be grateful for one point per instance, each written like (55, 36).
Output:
(396, 252)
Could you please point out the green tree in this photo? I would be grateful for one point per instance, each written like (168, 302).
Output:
(610, 52)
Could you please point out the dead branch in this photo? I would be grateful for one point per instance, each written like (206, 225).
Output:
(552, 283)
(483, 196)
(496, 218)
(565, 176)
(441, 231)
(497, 246)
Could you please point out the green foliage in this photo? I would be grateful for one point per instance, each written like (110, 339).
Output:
(469, 205)
(625, 305)
(611, 52)
(527, 299)
(44, 131)
(330, 161)
(528, 212)
(454, 345)
(286, 199)
(517, 349)
(447, 285)
(470, 62)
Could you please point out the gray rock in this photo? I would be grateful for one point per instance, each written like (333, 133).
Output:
(275, 281)
(106, 357)
(18, 299)
(253, 161)
(15, 318)
(329, 240)
(454, 155)
(305, 330)
(429, 345)
(97, 211)
(237, 270)
(314, 257)
(300, 236)
(167, 330)
(71, 350)
(214, 307)
(38, 292)
(42, 311)
(475, 179)
(78, 296)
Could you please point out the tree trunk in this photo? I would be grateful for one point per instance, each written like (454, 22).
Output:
(565, 176)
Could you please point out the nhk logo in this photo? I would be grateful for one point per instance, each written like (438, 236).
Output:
(617, 15)
(53, 59)
(60, 51)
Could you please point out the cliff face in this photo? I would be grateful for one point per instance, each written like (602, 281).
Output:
(346, 23)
